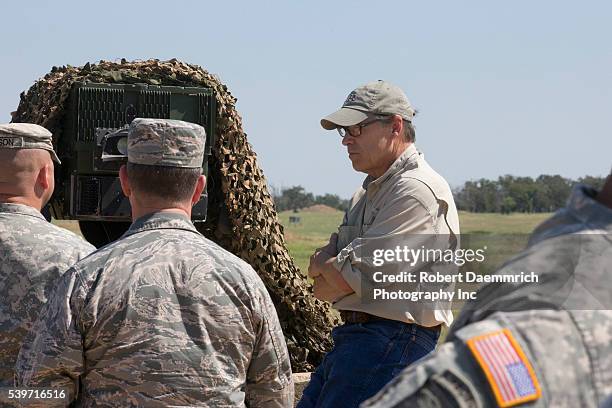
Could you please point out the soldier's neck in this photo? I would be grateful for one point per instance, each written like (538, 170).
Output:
(140, 209)
(13, 199)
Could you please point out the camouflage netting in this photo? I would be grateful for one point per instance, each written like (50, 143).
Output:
(241, 215)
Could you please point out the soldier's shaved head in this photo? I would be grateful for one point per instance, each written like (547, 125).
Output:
(26, 176)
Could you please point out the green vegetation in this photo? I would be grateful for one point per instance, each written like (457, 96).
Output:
(310, 233)
(516, 223)
(510, 194)
(296, 198)
(316, 225)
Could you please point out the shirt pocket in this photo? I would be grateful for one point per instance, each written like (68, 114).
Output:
(369, 218)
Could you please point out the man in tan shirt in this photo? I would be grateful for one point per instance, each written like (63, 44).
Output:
(403, 203)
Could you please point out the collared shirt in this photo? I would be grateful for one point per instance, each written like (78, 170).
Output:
(161, 317)
(409, 200)
(562, 324)
(33, 256)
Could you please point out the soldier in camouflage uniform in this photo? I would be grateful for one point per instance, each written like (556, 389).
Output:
(163, 316)
(33, 253)
(545, 344)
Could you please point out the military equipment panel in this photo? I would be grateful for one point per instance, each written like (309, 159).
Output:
(89, 187)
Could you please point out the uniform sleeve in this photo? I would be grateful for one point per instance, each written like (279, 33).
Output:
(403, 221)
(52, 355)
(441, 391)
(269, 380)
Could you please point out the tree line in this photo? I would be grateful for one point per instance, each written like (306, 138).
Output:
(508, 194)
(295, 198)
(505, 195)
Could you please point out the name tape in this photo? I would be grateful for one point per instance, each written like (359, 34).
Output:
(11, 141)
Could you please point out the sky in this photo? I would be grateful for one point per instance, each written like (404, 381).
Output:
(521, 88)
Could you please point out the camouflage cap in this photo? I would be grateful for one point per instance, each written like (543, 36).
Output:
(166, 142)
(26, 136)
(378, 98)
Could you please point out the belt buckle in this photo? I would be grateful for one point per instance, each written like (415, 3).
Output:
(353, 316)
(360, 317)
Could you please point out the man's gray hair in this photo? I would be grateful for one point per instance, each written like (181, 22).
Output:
(409, 132)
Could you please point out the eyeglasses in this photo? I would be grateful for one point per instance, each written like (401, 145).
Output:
(355, 130)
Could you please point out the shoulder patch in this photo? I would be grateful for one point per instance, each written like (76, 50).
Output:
(506, 367)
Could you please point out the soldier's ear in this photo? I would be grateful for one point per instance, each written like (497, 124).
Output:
(45, 176)
(200, 184)
(125, 182)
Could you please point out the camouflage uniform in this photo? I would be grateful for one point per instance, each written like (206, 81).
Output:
(562, 325)
(162, 317)
(33, 254)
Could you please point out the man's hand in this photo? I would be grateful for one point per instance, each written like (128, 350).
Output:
(322, 255)
(332, 246)
(324, 291)
(329, 284)
(317, 261)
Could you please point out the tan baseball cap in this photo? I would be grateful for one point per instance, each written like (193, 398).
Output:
(374, 98)
(26, 136)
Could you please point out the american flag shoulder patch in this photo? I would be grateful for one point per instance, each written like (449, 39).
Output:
(506, 367)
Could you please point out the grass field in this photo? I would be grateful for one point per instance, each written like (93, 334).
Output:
(509, 231)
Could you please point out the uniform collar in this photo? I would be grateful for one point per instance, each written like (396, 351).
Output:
(160, 220)
(582, 212)
(583, 206)
(21, 209)
(372, 185)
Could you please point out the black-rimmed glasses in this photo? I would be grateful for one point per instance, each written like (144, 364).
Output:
(355, 130)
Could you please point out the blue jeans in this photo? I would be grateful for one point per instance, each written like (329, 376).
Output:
(365, 357)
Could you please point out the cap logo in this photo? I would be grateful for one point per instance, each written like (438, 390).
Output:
(351, 98)
(11, 142)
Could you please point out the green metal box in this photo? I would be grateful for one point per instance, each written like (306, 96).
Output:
(89, 188)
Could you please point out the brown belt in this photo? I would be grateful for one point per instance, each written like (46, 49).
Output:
(351, 316)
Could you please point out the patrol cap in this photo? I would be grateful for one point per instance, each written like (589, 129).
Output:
(165, 142)
(378, 98)
(26, 136)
